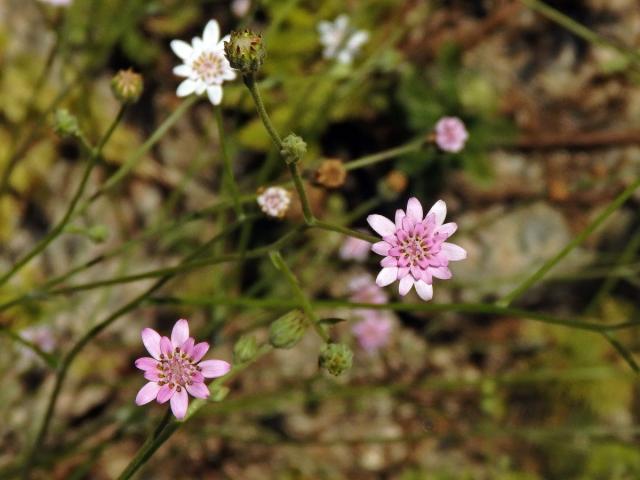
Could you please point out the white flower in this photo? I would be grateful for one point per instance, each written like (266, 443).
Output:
(339, 40)
(240, 7)
(205, 66)
(58, 3)
(274, 201)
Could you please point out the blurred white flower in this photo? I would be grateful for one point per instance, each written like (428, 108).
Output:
(274, 201)
(58, 3)
(240, 7)
(205, 66)
(339, 40)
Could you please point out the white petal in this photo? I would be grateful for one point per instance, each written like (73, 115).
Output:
(447, 229)
(425, 291)
(453, 251)
(405, 285)
(180, 333)
(211, 33)
(200, 87)
(198, 45)
(381, 248)
(381, 224)
(414, 209)
(387, 276)
(187, 87)
(182, 71)
(357, 40)
(215, 94)
(439, 209)
(181, 49)
(147, 393)
(399, 217)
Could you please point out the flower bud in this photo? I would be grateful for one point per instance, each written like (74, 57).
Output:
(396, 181)
(65, 124)
(331, 173)
(98, 233)
(335, 358)
(293, 148)
(127, 86)
(245, 51)
(245, 349)
(287, 330)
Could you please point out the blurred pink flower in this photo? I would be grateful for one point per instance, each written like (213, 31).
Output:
(451, 134)
(176, 369)
(58, 3)
(354, 249)
(414, 247)
(240, 7)
(363, 289)
(373, 332)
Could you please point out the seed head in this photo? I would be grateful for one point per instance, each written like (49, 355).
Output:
(245, 51)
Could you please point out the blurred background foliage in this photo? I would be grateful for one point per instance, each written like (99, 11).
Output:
(553, 122)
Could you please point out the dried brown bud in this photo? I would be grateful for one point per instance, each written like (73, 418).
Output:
(396, 181)
(331, 173)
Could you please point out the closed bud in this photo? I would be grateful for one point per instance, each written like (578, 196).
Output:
(98, 233)
(287, 330)
(331, 173)
(335, 358)
(65, 124)
(245, 349)
(245, 51)
(396, 181)
(293, 148)
(127, 86)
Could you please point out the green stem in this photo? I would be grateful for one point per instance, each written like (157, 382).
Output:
(303, 301)
(581, 237)
(59, 228)
(228, 167)
(49, 359)
(344, 230)
(302, 194)
(389, 154)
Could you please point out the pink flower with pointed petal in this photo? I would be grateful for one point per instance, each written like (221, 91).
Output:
(414, 248)
(174, 369)
(451, 134)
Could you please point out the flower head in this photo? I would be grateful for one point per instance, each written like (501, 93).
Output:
(451, 134)
(274, 201)
(354, 248)
(414, 247)
(205, 67)
(174, 368)
(127, 86)
(245, 51)
(339, 40)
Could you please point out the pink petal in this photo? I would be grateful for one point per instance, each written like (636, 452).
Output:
(180, 403)
(214, 368)
(146, 363)
(187, 346)
(165, 393)
(408, 224)
(447, 229)
(399, 216)
(381, 248)
(403, 272)
(180, 333)
(439, 209)
(442, 273)
(416, 271)
(199, 351)
(151, 340)
(382, 225)
(165, 346)
(453, 252)
(425, 291)
(387, 276)
(389, 262)
(197, 377)
(414, 209)
(405, 285)
(198, 390)
(147, 393)
(152, 375)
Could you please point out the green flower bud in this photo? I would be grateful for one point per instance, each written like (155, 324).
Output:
(245, 51)
(65, 124)
(335, 358)
(293, 148)
(245, 349)
(98, 233)
(127, 86)
(287, 330)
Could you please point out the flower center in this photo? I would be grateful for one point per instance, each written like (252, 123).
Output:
(209, 67)
(177, 369)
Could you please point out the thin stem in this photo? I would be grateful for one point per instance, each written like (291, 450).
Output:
(228, 167)
(623, 351)
(307, 213)
(389, 154)
(581, 237)
(49, 359)
(346, 231)
(303, 301)
(59, 228)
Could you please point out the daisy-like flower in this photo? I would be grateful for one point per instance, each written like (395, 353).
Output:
(274, 201)
(451, 134)
(205, 67)
(414, 247)
(354, 249)
(174, 369)
(339, 40)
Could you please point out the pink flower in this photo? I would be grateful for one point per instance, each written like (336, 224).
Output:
(451, 134)
(355, 249)
(414, 247)
(373, 331)
(364, 289)
(176, 369)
